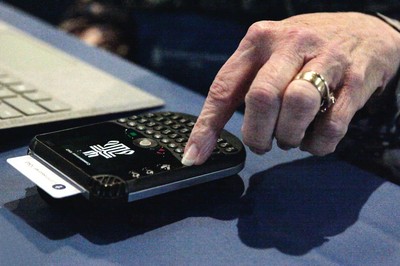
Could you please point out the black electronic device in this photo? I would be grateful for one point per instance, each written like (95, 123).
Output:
(132, 158)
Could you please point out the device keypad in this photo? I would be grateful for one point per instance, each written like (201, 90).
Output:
(170, 130)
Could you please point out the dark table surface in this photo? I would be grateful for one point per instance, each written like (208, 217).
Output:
(284, 208)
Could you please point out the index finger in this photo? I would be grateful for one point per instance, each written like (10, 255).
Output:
(226, 93)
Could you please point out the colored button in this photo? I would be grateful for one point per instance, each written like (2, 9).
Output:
(145, 143)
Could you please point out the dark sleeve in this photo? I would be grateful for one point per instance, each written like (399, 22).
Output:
(375, 128)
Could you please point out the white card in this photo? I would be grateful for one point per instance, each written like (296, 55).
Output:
(43, 177)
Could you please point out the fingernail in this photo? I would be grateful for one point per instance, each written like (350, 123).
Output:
(190, 156)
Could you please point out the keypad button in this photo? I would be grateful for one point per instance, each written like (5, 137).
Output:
(151, 124)
(132, 124)
(168, 122)
(131, 133)
(179, 150)
(148, 171)
(180, 140)
(172, 145)
(146, 142)
(173, 136)
(184, 130)
(224, 144)
(149, 132)
(149, 115)
(159, 128)
(166, 131)
(159, 119)
(176, 126)
(158, 136)
(165, 167)
(230, 149)
(190, 124)
(165, 141)
(142, 121)
(134, 174)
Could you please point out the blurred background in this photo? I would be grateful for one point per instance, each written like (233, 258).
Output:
(184, 41)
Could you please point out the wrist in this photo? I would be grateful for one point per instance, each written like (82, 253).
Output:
(393, 24)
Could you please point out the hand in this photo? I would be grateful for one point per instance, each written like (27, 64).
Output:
(355, 53)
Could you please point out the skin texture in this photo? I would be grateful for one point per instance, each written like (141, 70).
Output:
(357, 54)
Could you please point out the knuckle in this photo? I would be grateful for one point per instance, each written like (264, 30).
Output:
(301, 38)
(337, 56)
(355, 79)
(260, 29)
(334, 130)
(260, 98)
(299, 34)
(327, 138)
(331, 134)
(290, 56)
(301, 100)
(260, 35)
(219, 92)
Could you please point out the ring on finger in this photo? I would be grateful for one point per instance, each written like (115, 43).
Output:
(319, 82)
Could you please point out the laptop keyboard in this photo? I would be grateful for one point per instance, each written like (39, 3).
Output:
(18, 99)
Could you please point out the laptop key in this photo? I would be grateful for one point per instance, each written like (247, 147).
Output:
(37, 96)
(6, 93)
(25, 106)
(21, 88)
(7, 80)
(54, 105)
(8, 112)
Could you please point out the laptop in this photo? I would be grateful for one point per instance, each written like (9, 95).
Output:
(40, 84)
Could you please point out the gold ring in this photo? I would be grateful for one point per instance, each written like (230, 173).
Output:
(319, 82)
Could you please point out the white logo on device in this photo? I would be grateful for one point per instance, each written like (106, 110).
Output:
(109, 150)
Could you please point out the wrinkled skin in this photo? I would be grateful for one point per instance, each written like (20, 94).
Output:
(357, 54)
